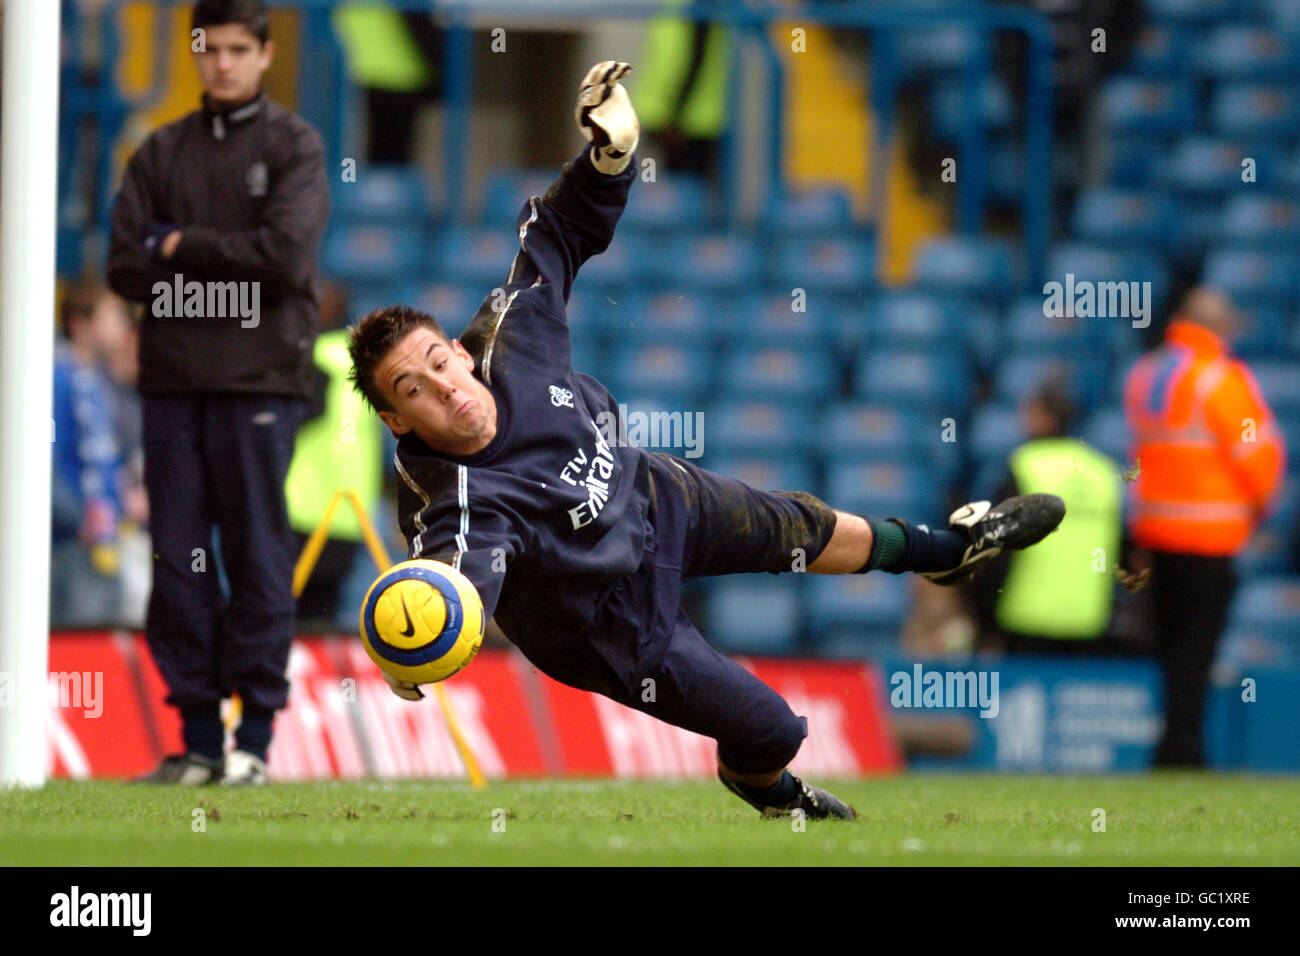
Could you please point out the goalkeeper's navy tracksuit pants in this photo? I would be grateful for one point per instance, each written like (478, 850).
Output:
(643, 651)
(220, 461)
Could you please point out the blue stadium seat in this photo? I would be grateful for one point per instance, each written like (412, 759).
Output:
(759, 428)
(853, 430)
(1248, 649)
(383, 195)
(838, 264)
(1269, 221)
(674, 203)
(452, 305)
(772, 320)
(968, 266)
(1119, 217)
(766, 474)
(475, 255)
(1035, 333)
(914, 379)
(1252, 277)
(1160, 51)
(1255, 111)
(914, 320)
(995, 430)
(786, 374)
(1106, 430)
(1134, 160)
(1131, 104)
(682, 318)
(858, 600)
(754, 615)
(1082, 377)
(372, 254)
(620, 267)
(1268, 604)
(507, 190)
(715, 262)
(677, 373)
(1234, 51)
(810, 212)
(1212, 167)
(1279, 380)
(949, 107)
(884, 489)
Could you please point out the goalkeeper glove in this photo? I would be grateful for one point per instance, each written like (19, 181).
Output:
(605, 116)
(403, 688)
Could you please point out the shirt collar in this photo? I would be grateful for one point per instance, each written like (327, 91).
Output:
(1196, 337)
(220, 120)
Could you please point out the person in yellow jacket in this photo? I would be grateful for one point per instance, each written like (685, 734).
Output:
(1211, 460)
(1058, 597)
(338, 448)
(393, 56)
(681, 91)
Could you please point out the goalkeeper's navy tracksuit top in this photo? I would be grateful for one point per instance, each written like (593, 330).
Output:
(549, 499)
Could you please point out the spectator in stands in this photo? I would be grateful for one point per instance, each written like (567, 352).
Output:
(216, 229)
(85, 587)
(1211, 460)
(339, 447)
(118, 337)
(1059, 596)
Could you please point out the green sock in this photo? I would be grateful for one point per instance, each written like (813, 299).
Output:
(887, 548)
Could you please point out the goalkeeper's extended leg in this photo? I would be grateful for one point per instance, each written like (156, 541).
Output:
(977, 532)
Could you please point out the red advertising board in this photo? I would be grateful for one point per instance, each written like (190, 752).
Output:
(108, 718)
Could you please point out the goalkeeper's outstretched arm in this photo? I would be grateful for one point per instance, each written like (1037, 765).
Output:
(576, 218)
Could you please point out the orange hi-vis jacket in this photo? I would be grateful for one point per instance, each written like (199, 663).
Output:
(1210, 455)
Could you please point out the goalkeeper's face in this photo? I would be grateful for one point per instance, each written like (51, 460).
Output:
(429, 383)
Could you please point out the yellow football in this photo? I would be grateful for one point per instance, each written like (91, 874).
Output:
(422, 621)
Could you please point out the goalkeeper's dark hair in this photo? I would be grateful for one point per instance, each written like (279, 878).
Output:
(374, 337)
(216, 13)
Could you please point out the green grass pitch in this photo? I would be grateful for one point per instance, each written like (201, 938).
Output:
(1179, 819)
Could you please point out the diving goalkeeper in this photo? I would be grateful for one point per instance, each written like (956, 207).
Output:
(577, 544)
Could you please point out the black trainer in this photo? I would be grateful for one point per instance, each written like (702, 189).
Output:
(816, 803)
(1014, 524)
(186, 770)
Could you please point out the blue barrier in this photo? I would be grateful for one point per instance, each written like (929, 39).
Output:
(1100, 715)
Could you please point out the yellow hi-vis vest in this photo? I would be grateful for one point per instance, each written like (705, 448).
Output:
(657, 80)
(381, 52)
(1063, 587)
(341, 449)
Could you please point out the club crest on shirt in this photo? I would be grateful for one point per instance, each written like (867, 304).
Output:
(257, 179)
(561, 397)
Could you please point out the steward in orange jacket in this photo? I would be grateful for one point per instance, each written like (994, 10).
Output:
(1210, 460)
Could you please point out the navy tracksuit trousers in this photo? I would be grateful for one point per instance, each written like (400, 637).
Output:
(220, 461)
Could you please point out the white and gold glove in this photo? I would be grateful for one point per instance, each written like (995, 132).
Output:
(605, 116)
(403, 688)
